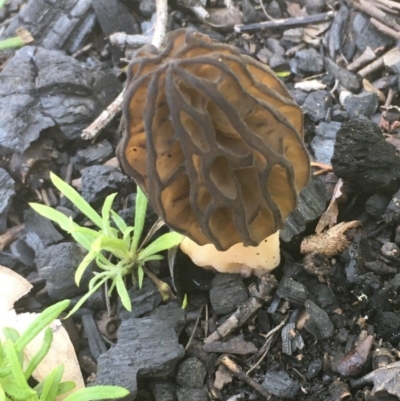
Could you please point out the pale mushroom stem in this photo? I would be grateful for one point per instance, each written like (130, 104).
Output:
(245, 260)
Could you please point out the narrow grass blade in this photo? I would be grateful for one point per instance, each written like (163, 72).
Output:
(97, 393)
(77, 200)
(42, 321)
(123, 293)
(162, 243)
(140, 215)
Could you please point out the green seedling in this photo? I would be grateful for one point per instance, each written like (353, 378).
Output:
(15, 375)
(117, 250)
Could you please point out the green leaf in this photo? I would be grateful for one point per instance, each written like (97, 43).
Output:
(86, 296)
(13, 389)
(140, 215)
(115, 246)
(84, 236)
(54, 215)
(105, 212)
(65, 387)
(126, 237)
(162, 243)
(123, 293)
(42, 321)
(11, 334)
(140, 276)
(119, 221)
(283, 74)
(87, 260)
(51, 383)
(185, 301)
(5, 371)
(2, 395)
(12, 43)
(77, 200)
(16, 369)
(97, 393)
(40, 354)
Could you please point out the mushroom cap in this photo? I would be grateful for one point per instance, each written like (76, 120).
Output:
(214, 139)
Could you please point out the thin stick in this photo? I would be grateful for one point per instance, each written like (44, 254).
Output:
(114, 108)
(385, 29)
(237, 371)
(160, 28)
(243, 314)
(372, 67)
(285, 23)
(194, 327)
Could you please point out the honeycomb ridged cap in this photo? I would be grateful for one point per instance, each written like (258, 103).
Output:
(214, 139)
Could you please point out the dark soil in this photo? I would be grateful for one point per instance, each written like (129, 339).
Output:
(330, 328)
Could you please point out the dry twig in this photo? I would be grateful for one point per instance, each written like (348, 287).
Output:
(114, 108)
(243, 313)
(10, 235)
(285, 23)
(241, 375)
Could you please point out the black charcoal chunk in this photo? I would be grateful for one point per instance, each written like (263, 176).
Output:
(146, 347)
(314, 368)
(144, 300)
(192, 394)
(21, 251)
(376, 205)
(374, 171)
(315, 6)
(274, 9)
(236, 345)
(366, 35)
(338, 31)
(317, 104)
(387, 325)
(39, 231)
(7, 192)
(363, 104)
(311, 204)
(299, 96)
(163, 391)
(227, 293)
(96, 342)
(95, 154)
(292, 291)
(323, 296)
(191, 373)
(281, 385)
(390, 250)
(41, 89)
(307, 61)
(318, 323)
(346, 78)
(114, 16)
(58, 264)
(56, 24)
(324, 141)
(100, 181)
(392, 213)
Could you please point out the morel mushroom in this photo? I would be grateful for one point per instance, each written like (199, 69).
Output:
(214, 139)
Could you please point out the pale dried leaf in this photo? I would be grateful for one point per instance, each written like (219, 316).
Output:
(294, 9)
(370, 88)
(222, 376)
(224, 17)
(13, 287)
(329, 217)
(310, 86)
